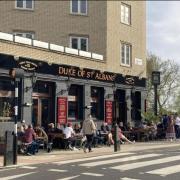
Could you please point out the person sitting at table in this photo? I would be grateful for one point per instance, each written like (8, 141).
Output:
(29, 139)
(69, 137)
(123, 137)
(41, 136)
(77, 129)
(106, 129)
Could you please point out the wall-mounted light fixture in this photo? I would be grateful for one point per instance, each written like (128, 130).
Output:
(68, 85)
(33, 80)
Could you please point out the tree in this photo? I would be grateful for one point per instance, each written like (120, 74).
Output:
(169, 81)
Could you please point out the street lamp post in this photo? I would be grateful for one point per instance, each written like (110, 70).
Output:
(155, 82)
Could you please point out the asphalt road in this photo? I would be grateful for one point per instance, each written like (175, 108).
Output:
(147, 165)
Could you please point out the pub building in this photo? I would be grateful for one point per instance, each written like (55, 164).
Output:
(51, 91)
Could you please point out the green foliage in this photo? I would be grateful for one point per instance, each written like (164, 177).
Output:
(167, 90)
(150, 117)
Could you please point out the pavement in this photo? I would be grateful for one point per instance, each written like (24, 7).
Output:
(62, 155)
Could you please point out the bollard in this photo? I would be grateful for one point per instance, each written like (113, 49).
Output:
(116, 139)
(8, 153)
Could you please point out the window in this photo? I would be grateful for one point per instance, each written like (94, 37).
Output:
(79, 6)
(25, 4)
(80, 43)
(126, 54)
(75, 102)
(97, 102)
(29, 35)
(125, 14)
(6, 99)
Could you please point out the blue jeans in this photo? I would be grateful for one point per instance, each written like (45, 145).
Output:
(32, 148)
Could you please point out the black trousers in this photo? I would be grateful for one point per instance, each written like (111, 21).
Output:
(89, 141)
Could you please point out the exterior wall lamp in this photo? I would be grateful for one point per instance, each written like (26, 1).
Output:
(33, 80)
(68, 85)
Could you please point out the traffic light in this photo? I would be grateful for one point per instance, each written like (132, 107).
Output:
(16, 73)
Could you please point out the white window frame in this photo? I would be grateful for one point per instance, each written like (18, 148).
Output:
(79, 42)
(24, 5)
(125, 54)
(79, 8)
(125, 14)
(24, 34)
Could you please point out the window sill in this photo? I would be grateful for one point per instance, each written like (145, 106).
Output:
(5, 119)
(79, 14)
(125, 65)
(127, 24)
(24, 9)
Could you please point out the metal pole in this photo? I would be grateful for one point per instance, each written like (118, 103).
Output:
(155, 99)
(116, 137)
(15, 120)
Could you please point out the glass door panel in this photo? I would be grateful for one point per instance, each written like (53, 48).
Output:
(45, 112)
(35, 118)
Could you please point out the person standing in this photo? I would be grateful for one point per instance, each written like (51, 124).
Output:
(88, 130)
(177, 125)
(170, 131)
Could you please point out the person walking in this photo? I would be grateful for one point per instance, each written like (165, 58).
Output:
(88, 130)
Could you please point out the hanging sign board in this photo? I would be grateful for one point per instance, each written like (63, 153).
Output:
(109, 111)
(62, 110)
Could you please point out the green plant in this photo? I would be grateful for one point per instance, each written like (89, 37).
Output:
(150, 117)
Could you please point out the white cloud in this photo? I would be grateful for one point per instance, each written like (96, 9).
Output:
(163, 29)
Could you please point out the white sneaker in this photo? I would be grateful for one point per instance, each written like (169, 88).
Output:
(75, 149)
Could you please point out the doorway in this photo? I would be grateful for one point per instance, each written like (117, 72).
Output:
(42, 110)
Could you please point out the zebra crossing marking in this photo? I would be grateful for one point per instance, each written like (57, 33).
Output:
(57, 170)
(136, 165)
(125, 178)
(165, 171)
(68, 178)
(16, 176)
(131, 158)
(92, 174)
(92, 158)
(27, 167)
(6, 169)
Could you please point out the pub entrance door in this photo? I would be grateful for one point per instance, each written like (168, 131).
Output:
(42, 110)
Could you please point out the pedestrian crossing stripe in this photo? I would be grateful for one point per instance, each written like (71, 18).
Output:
(165, 171)
(136, 165)
(16, 176)
(92, 158)
(27, 167)
(131, 158)
(92, 174)
(57, 170)
(125, 178)
(68, 178)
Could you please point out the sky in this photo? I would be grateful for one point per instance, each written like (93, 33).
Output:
(163, 29)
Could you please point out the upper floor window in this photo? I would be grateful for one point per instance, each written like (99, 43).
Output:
(79, 6)
(125, 54)
(25, 4)
(29, 35)
(125, 14)
(80, 43)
